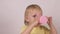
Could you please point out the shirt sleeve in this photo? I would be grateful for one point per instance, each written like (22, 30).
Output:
(47, 31)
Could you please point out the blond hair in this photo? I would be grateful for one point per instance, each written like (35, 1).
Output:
(33, 6)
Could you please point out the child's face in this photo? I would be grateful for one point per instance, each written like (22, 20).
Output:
(34, 14)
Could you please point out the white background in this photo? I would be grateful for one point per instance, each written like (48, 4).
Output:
(12, 13)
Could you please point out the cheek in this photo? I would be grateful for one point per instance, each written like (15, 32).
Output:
(38, 17)
(31, 18)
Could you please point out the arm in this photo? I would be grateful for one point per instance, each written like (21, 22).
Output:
(29, 28)
(52, 29)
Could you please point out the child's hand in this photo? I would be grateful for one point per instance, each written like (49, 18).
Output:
(34, 23)
(52, 27)
(49, 21)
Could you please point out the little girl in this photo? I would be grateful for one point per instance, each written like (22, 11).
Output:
(32, 26)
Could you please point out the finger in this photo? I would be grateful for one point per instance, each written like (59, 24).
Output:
(50, 19)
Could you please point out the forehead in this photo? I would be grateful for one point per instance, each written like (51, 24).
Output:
(34, 11)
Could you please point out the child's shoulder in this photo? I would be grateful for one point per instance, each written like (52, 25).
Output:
(23, 28)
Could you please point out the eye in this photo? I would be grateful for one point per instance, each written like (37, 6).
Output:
(34, 15)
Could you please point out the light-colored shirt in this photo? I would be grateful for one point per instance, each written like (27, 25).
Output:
(38, 30)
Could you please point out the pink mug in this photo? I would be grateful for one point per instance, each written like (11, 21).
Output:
(43, 20)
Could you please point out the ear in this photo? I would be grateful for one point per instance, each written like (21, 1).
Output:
(26, 18)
